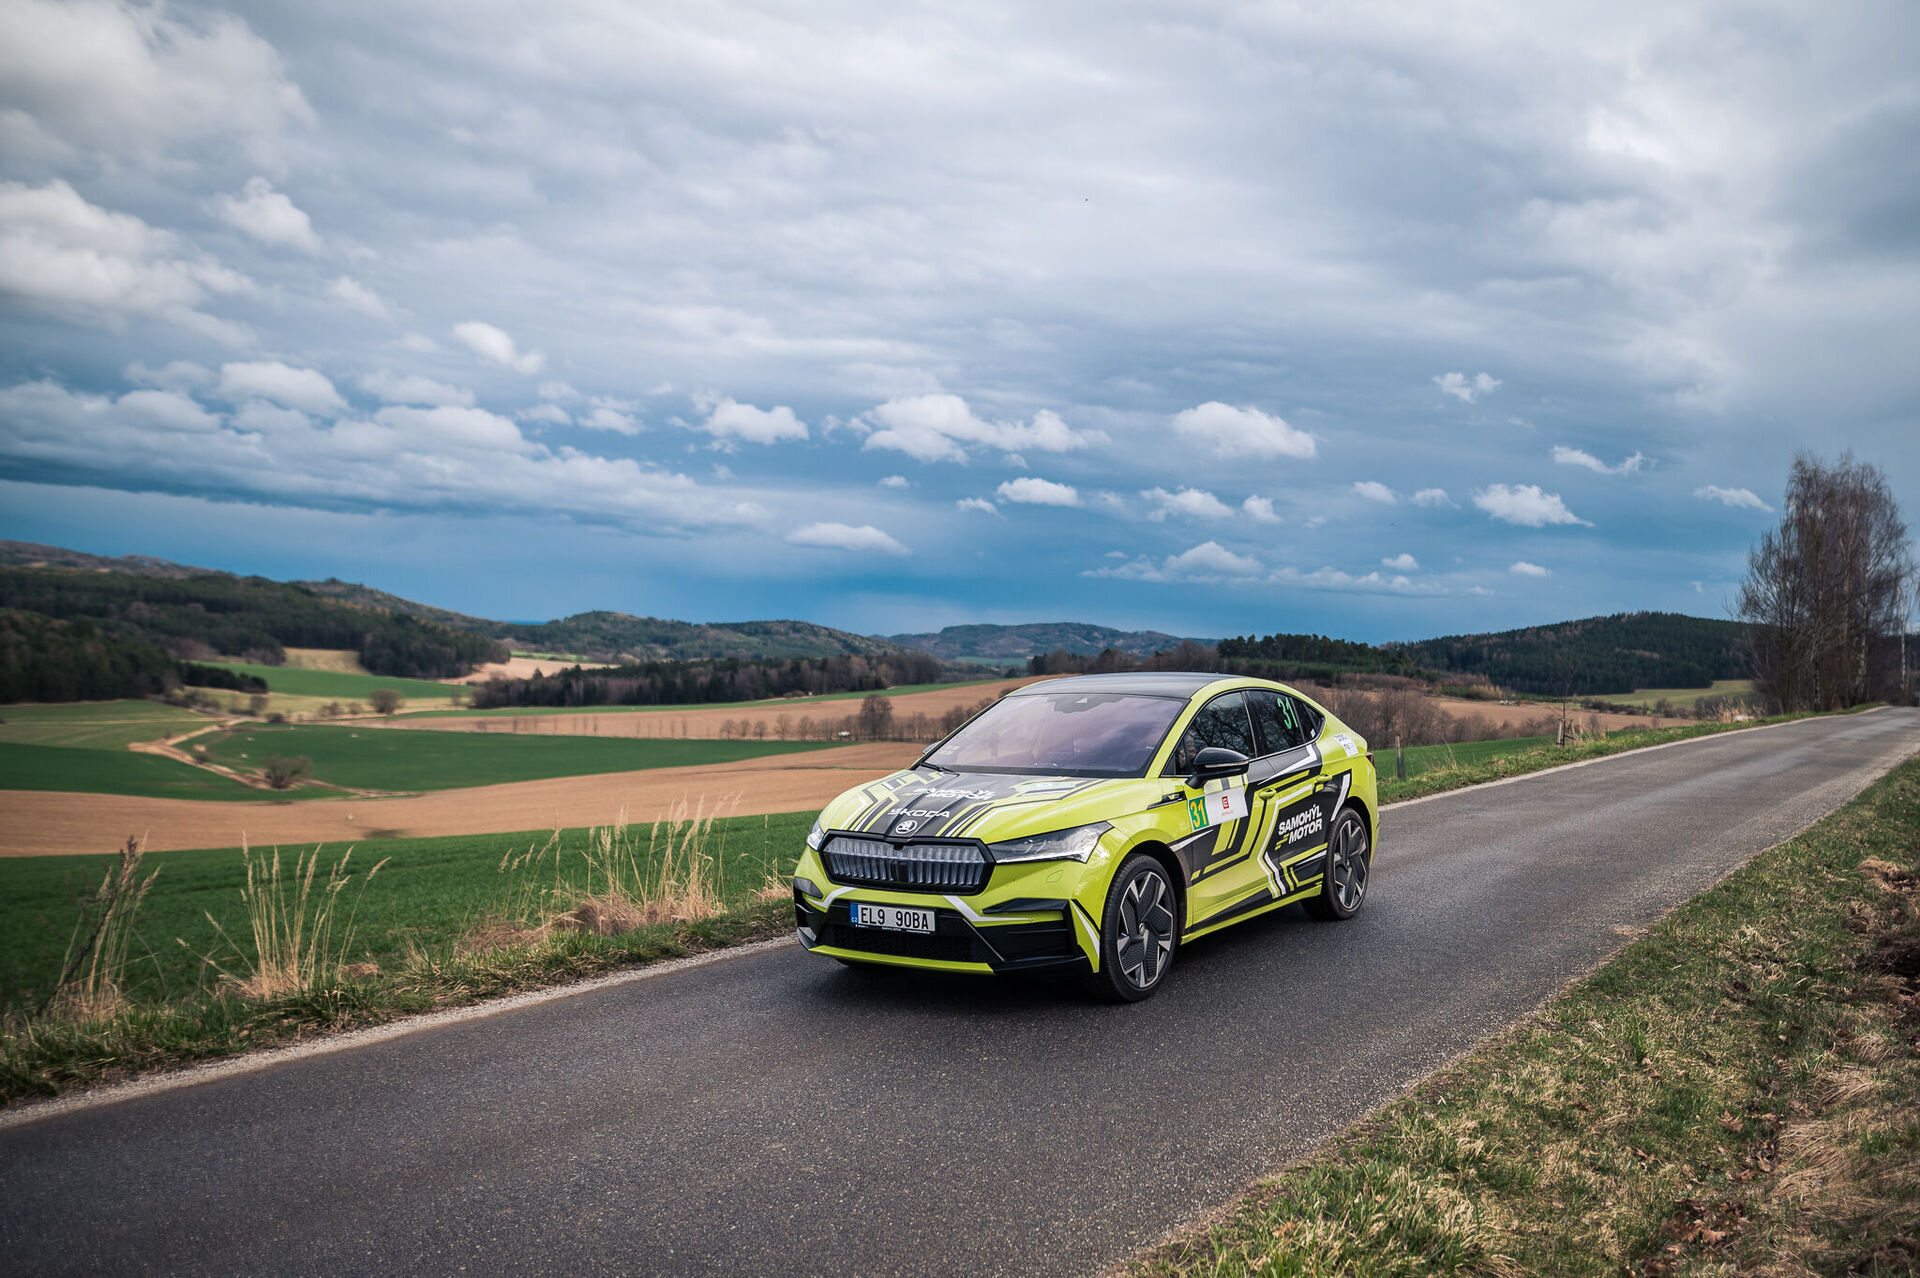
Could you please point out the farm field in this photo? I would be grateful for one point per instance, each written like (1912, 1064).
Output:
(431, 892)
(72, 769)
(59, 824)
(336, 685)
(1683, 696)
(794, 706)
(1426, 758)
(96, 725)
(703, 720)
(362, 758)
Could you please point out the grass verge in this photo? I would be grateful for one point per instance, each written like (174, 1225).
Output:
(1736, 1092)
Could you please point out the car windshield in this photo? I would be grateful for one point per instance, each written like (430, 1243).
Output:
(1092, 733)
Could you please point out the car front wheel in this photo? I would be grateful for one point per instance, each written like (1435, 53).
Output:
(1139, 933)
(1349, 865)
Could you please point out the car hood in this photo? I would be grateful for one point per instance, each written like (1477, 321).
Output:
(986, 806)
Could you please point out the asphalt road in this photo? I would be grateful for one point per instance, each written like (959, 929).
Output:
(777, 1114)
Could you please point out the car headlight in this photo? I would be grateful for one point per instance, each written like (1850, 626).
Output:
(1076, 844)
(817, 836)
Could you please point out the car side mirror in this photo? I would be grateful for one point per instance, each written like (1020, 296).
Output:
(1215, 762)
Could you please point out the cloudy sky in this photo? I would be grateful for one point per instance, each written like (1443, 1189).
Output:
(1380, 320)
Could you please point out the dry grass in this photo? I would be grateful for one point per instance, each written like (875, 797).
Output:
(617, 884)
(93, 971)
(295, 945)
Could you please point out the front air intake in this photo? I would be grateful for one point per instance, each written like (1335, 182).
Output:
(912, 867)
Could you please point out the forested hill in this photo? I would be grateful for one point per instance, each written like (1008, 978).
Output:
(1599, 655)
(31, 554)
(622, 637)
(1017, 643)
(216, 614)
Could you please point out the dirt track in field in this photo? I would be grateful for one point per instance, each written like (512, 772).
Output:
(705, 722)
(40, 822)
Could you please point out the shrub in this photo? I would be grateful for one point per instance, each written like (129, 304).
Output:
(281, 771)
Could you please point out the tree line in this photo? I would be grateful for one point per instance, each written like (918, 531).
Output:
(42, 659)
(673, 683)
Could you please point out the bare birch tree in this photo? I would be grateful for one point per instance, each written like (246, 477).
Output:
(1824, 599)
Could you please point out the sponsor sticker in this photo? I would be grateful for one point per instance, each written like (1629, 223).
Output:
(1346, 743)
(955, 794)
(1217, 808)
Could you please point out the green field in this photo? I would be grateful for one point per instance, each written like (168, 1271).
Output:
(40, 767)
(1682, 697)
(334, 685)
(97, 725)
(370, 758)
(431, 892)
(791, 705)
(1427, 758)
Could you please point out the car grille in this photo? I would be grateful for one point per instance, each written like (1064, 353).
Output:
(952, 949)
(915, 867)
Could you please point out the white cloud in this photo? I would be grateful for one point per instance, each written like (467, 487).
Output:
(58, 253)
(1467, 390)
(1188, 503)
(135, 80)
(865, 537)
(303, 388)
(493, 344)
(406, 459)
(1526, 505)
(1402, 562)
(1242, 432)
(1565, 456)
(1373, 490)
(977, 503)
(356, 296)
(411, 388)
(180, 375)
(268, 216)
(1316, 521)
(755, 425)
(896, 481)
(419, 344)
(1521, 568)
(1260, 510)
(559, 391)
(608, 419)
(549, 414)
(1737, 498)
(1208, 561)
(1372, 583)
(938, 427)
(1029, 491)
(1432, 497)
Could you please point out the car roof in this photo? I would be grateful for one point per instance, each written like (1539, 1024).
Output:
(1155, 683)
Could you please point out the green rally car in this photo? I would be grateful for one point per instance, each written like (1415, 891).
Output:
(1095, 824)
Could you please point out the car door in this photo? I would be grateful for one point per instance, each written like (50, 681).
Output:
(1284, 791)
(1218, 852)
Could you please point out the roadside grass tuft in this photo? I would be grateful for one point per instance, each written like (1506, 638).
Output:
(93, 974)
(294, 949)
(1738, 1091)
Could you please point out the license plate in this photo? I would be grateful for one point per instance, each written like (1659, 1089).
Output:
(892, 918)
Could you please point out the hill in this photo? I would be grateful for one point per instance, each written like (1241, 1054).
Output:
(622, 637)
(1594, 656)
(200, 616)
(1017, 643)
(31, 554)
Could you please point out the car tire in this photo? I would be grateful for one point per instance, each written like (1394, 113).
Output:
(1139, 932)
(1343, 889)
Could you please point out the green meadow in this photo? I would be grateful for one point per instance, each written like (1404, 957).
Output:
(369, 758)
(428, 895)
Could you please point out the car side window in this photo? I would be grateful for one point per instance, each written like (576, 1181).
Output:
(1270, 730)
(1221, 722)
(1304, 716)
